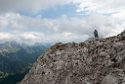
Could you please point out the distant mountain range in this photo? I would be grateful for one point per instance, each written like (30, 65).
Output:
(18, 58)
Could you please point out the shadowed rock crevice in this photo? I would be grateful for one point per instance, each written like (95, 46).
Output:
(94, 62)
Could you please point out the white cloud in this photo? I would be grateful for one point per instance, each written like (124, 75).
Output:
(100, 6)
(115, 7)
(119, 15)
(27, 37)
(32, 37)
(27, 29)
(10, 20)
(29, 5)
(67, 34)
(14, 26)
(110, 8)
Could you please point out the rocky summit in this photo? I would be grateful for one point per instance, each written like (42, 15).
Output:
(95, 62)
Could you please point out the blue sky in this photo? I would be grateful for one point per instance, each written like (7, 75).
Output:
(59, 11)
(59, 20)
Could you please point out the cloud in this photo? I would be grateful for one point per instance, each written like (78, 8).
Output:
(119, 15)
(9, 20)
(113, 7)
(27, 29)
(109, 8)
(27, 37)
(29, 5)
(32, 37)
(100, 6)
(107, 16)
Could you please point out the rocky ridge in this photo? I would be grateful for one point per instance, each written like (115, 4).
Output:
(94, 62)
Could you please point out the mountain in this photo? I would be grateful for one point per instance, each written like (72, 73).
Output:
(16, 60)
(95, 62)
(9, 47)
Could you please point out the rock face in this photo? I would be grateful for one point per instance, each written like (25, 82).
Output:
(94, 62)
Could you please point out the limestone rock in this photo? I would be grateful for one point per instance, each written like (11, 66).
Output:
(94, 62)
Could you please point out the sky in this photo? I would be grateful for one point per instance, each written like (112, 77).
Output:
(51, 21)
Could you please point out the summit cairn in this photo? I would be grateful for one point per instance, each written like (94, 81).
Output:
(96, 34)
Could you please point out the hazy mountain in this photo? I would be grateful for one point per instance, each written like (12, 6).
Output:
(17, 59)
(94, 62)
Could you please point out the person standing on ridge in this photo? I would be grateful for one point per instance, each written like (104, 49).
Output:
(96, 34)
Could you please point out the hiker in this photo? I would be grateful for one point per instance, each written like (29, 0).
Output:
(96, 34)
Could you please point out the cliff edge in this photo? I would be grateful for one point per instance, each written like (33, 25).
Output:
(94, 62)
